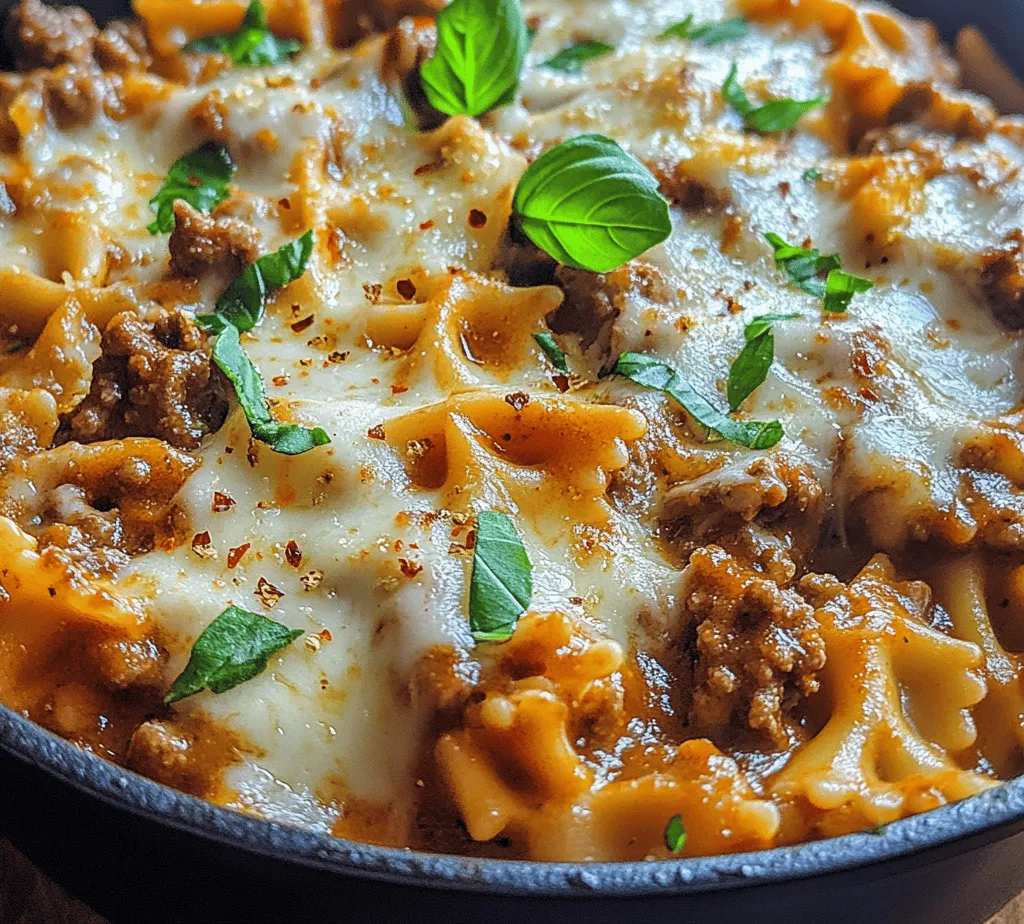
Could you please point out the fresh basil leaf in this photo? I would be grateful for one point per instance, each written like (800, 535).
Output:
(805, 267)
(675, 834)
(749, 370)
(241, 303)
(590, 205)
(287, 439)
(481, 47)
(235, 647)
(552, 350)
(501, 585)
(777, 115)
(652, 373)
(200, 177)
(710, 33)
(253, 45)
(812, 175)
(571, 60)
(840, 288)
(763, 322)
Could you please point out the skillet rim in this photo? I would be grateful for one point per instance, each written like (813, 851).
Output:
(993, 814)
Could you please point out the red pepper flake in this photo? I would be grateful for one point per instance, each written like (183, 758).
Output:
(284, 203)
(202, 546)
(280, 380)
(304, 324)
(325, 635)
(235, 555)
(518, 400)
(252, 454)
(428, 168)
(410, 568)
(269, 595)
(221, 502)
(576, 601)
(399, 389)
(427, 225)
(561, 382)
(372, 292)
(406, 289)
(477, 219)
(337, 357)
(293, 554)
(376, 433)
(195, 181)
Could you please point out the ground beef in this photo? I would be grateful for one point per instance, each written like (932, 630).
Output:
(757, 649)
(1002, 280)
(123, 47)
(154, 378)
(199, 241)
(45, 36)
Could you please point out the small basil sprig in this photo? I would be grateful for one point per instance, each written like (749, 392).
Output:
(501, 585)
(709, 33)
(818, 274)
(552, 350)
(590, 205)
(235, 647)
(481, 47)
(777, 115)
(241, 303)
(200, 177)
(253, 45)
(675, 834)
(652, 373)
(240, 308)
(749, 370)
(571, 60)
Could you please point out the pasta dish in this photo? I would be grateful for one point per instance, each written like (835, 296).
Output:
(584, 430)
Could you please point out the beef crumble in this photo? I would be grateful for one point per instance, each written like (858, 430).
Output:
(199, 241)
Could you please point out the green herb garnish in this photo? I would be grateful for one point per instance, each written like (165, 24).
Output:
(233, 648)
(571, 60)
(200, 177)
(777, 115)
(481, 46)
(675, 834)
(652, 373)
(710, 33)
(240, 308)
(812, 175)
(241, 303)
(253, 45)
(590, 205)
(502, 581)
(552, 350)
(749, 370)
(818, 274)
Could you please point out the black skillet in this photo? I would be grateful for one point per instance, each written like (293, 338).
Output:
(141, 853)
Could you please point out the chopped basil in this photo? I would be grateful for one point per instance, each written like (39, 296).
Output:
(675, 834)
(240, 308)
(590, 205)
(749, 370)
(253, 45)
(200, 177)
(287, 439)
(812, 175)
(233, 648)
(652, 373)
(502, 581)
(241, 303)
(552, 350)
(840, 288)
(818, 274)
(710, 33)
(481, 46)
(777, 115)
(571, 60)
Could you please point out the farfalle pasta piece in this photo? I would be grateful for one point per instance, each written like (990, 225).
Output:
(473, 331)
(28, 421)
(510, 452)
(882, 752)
(960, 588)
(60, 361)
